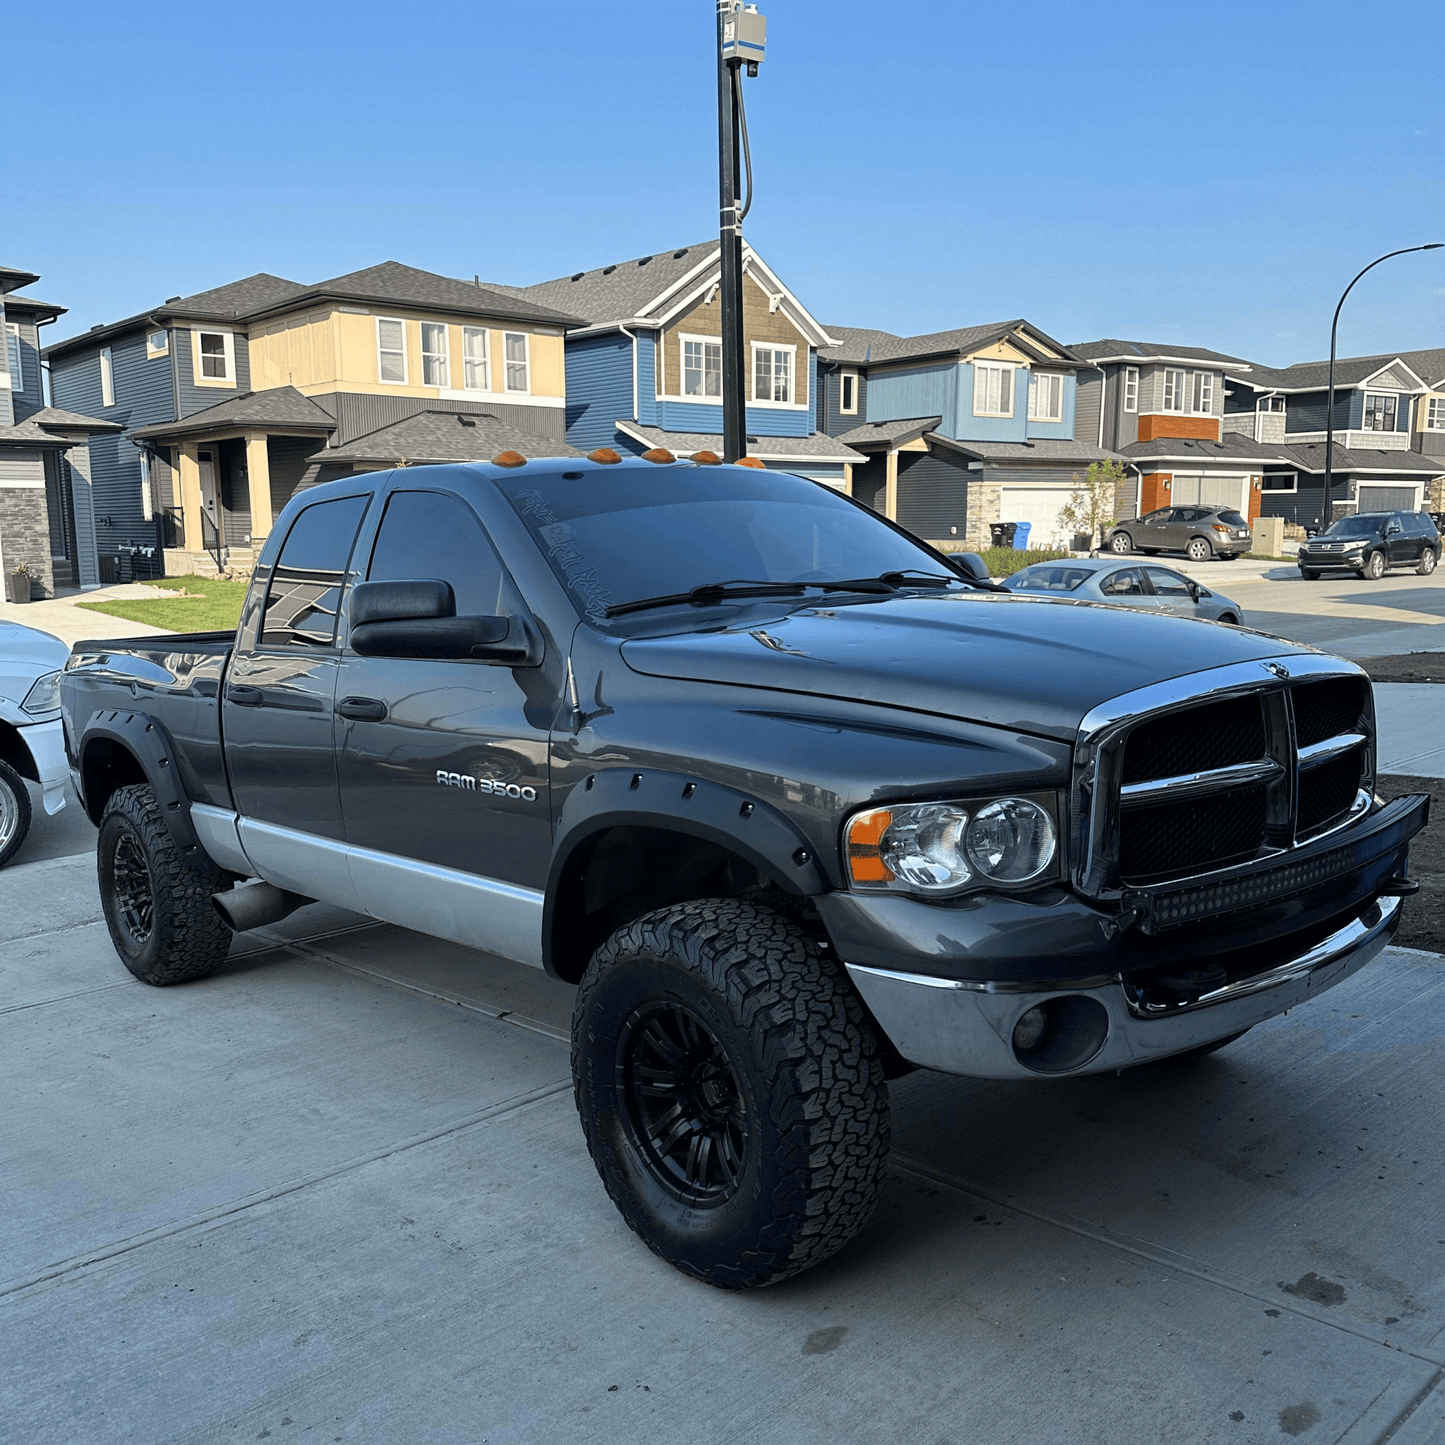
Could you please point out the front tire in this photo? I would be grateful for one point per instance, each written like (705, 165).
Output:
(1122, 543)
(1427, 562)
(1198, 550)
(1374, 567)
(1308, 574)
(14, 813)
(156, 904)
(730, 1091)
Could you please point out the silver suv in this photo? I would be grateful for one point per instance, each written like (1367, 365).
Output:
(1199, 532)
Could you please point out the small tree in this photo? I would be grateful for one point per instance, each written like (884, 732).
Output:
(1091, 506)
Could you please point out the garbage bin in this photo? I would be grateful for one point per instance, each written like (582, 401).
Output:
(1020, 539)
(1001, 534)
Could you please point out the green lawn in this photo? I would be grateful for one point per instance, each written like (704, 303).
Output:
(215, 607)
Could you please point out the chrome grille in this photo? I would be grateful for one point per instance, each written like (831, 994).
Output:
(1200, 774)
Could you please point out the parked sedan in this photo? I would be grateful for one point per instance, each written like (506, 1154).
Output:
(31, 743)
(1199, 532)
(1143, 585)
(1370, 543)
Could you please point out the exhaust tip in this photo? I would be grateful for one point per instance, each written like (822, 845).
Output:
(253, 905)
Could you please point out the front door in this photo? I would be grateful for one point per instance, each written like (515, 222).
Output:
(1172, 592)
(210, 492)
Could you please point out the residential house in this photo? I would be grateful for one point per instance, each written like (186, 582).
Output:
(228, 401)
(646, 368)
(961, 428)
(46, 520)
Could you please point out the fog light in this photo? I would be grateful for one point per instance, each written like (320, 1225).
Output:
(1029, 1030)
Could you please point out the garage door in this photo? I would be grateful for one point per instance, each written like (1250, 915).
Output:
(1385, 499)
(1039, 506)
(1204, 490)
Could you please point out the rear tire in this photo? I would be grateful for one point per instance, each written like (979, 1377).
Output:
(1121, 543)
(14, 813)
(1199, 550)
(1427, 562)
(1374, 567)
(156, 904)
(730, 1091)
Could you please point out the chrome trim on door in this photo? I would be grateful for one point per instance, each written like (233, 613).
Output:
(1191, 785)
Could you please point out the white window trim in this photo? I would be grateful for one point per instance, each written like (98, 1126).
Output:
(163, 349)
(683, 337)
(1365, 411)
(1049, 376)
(1279, 491)
(526, 361)
(1195, 377)
(15, 380)
(848, 410)
(228, 344)
(979, 367)
(107, 377)
(405, 360)
(485, 359)
(1131, 390)
(1437, 405)
(1181, 408)
(445, 353)
(753, 399)
(1265, 406)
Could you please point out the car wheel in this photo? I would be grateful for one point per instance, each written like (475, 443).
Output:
(1374, 567)
(14, 813)
(1198, 550)
(1230, 618)
(156, 905)
(730, 1091)
(1309, 574)
(1121, 542)
(1427, 562)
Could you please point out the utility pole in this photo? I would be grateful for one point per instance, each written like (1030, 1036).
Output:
(741, 34)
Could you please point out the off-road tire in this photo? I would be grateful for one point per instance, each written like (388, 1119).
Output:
(806, 1078)
(1375, 567)
(185, 938)
(1122, 543)
(1308, 574)
(14, 812)
(1427, 562)
(1198, 549)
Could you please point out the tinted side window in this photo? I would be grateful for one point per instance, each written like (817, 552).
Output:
(305, 590)
(1166, 583)
(432, 535)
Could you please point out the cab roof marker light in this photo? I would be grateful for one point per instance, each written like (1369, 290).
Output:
(749, 462)
(605, 455)
(706, 459)
(658, 454)
(509, 459)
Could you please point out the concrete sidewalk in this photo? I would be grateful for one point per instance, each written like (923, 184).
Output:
(62, 617)
(1411, 720)
(337, 1192)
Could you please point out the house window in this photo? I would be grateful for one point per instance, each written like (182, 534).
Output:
(1272, 404)
(1046, 397)
(1281, 482)
(474, 358)
(1173, 391)
(391, 350)
(848, 393)
(12, 353)
(433, 355)
(215, 350)
(701, 368)
(1131, 388)
(993, 389)
(107, 378)
(516, 351)
(772, 373)
(1380, 411)
(1201, 394)
(158, 343)
(1435, 413)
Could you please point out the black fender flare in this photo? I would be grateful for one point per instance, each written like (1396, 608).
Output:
(150, 744)
(647, 797)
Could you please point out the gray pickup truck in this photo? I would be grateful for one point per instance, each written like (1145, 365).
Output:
(796, 801)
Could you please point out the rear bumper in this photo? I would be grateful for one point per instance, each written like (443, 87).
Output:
(960, 1026)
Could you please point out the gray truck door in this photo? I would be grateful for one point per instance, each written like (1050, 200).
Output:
(277, 710)
(445, 763)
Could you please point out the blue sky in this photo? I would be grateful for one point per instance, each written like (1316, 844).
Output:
(1209, 174)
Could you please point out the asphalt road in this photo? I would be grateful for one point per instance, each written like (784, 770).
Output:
(337, 1192)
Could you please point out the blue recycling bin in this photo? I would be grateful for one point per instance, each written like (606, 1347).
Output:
(1021, 536)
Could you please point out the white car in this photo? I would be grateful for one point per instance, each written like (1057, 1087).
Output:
(32, 744)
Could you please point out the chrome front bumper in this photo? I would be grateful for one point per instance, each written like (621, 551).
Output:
(966, 1027)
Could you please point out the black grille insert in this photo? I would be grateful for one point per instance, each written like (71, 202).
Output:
(1327, 792)
(1216, 735)
(1327, 708)
(1174, 839)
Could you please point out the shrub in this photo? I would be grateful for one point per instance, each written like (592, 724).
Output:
(1005, 561)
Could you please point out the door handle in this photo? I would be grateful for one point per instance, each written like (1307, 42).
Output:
(245, 696)
(361, 709)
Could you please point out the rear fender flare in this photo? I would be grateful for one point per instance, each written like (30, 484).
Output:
(150, 744)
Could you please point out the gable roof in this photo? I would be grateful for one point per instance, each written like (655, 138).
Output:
(53, 426)
(854, 343)
(277, 406)
(444, 436)
(12, 279)
(42, 311)
(1350, 371)
(881, 346)
(1112, 349)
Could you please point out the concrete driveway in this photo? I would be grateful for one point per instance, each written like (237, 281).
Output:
(337, 1192)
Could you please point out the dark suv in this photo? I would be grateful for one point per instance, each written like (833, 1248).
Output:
(1199, 532)
(1370, 543)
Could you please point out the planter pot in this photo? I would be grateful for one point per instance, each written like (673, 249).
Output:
(17, 587)
(1083, 541)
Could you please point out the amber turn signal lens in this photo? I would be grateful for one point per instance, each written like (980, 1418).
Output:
(749, 462)
(509, 459)
(862, 847)
(658, 454)
(706, 459)
(604, 455)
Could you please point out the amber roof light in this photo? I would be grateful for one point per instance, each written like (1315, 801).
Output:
(509, 459)
(749, 462)
(605, 455)
(706, 459)
(658, 454)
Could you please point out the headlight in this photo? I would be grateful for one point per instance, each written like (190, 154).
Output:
(941, 847)
(44, 696)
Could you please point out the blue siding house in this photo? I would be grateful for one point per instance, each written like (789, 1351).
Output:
(646, 369)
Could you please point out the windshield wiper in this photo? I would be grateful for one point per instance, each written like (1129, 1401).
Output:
(714, 592)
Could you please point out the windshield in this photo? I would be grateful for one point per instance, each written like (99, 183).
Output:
(1366, 526)
(1047, 579)
(618, 536)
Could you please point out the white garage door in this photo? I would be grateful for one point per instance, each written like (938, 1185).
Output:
(1038, 506)
(1386, 499)
(1204, 490)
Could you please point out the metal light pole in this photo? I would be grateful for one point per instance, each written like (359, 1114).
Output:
(741, 33)
(1330, 401)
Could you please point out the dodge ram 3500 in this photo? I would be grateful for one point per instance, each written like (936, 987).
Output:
(796, 801)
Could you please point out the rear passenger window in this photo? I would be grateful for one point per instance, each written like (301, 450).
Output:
(426, 535)
(305, 589)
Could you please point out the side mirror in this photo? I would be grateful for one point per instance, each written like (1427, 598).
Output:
(970, 564)
(393, 601)
(481, 639)
(1393, 529)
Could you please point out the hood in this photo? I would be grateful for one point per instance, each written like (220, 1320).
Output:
(28, 645)
(1035, 665)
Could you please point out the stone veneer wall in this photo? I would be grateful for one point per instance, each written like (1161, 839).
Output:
(985, 504)
(25, 536)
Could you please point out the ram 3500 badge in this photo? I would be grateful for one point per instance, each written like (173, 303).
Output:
(796, 802)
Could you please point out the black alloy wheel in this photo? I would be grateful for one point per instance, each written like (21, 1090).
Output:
(132, 897)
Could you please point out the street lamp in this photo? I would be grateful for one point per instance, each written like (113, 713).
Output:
(1330, 401)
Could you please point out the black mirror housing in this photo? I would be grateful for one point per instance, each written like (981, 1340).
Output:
(970, 564)
(394, 601)
(455, 639)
